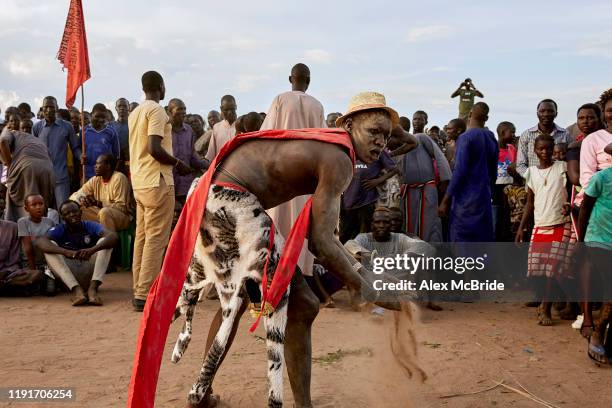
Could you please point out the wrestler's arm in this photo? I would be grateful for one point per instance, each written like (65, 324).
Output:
(334, 174)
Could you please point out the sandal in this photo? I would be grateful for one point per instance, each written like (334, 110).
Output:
(597, 353)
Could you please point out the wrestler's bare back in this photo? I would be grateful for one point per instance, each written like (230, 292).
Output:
(277, 171)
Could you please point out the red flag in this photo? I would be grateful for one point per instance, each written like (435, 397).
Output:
(73, 51)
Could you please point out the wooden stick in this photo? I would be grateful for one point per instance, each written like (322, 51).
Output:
(497, 384)
(531, 397)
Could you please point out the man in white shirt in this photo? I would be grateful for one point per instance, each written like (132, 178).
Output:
(224, 130)
(294, 110)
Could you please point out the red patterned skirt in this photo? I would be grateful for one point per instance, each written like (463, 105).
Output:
(550, 251)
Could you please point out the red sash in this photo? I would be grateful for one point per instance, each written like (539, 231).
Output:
(166, 289)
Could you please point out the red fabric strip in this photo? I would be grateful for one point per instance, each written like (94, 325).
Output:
(166, 289)
(230, 185)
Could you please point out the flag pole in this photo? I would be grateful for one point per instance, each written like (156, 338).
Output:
(83, 151)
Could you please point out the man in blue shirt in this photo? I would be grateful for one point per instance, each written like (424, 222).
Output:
(122, 106)
(72, 248)
(468, 198)
(100, 138)
(57, 135)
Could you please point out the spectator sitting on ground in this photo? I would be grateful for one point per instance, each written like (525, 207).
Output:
(387, 244)
(32, 226)
(104, 198)
(14, 281)
(71, 250)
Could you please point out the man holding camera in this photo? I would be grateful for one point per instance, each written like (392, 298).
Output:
(466, 91)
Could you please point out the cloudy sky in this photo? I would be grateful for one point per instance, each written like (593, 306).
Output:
(415, 53)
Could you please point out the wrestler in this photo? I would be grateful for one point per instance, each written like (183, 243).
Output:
(235, 235)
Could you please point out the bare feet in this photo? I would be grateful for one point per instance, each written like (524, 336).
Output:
(544, 316)
(586, 330)
(78, 296)
(209, 401)
(92, 293)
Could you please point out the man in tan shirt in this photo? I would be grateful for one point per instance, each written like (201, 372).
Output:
(224, 130)
(151, 165)
(105, 197)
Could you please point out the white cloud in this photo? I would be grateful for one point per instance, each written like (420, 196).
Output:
(601, 47)
(237, 43)
(276, 65)
(426, 33)
(8, 98)
(38, 100)
(443, 69)
(247, 82)
(29, 66)
(318, 55)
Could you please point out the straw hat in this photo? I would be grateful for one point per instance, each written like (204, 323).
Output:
(365, 101)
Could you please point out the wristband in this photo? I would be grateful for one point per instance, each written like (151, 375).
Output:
(357, 266)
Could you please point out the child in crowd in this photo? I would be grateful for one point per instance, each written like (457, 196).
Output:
(506, 173)
(251, 122)
(25, 126)
(453, 130)
(547, 203)
(13, 121)
(559, 152)
(595, 230)
(29, 228)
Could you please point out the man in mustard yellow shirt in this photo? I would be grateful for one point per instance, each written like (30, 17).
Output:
(105, 198)
(151, 164)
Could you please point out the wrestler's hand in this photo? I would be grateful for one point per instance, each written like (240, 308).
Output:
(182, 168)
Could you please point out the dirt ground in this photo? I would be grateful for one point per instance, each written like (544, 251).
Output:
(45, 342)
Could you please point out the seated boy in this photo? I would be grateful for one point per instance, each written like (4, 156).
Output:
(73, 248)
(31, 227)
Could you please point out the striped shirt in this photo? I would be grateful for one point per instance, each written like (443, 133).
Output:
(526, 155)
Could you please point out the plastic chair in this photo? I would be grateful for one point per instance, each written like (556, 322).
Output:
(126, 242)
